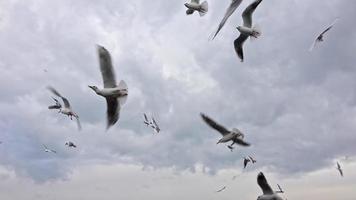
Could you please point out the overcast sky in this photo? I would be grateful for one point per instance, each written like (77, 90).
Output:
(297, 108)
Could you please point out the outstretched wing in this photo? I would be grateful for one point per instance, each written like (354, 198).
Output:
(241, 142)
(78, 123)
(107, 71)
(262, 182)
(238, 44)
(247, 14)
(330, 26)
(234, 4)
(113, 110)
(55, 92)
(214, 125)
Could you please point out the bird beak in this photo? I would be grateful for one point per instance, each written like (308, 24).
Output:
(92, 87)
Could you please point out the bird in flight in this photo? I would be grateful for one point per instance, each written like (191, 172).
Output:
(235, 135)
(195, 5)
(320, 37)
(268, 193)
(338, 167)
(67, 110)
(114, 94)
(47, 150)
(246, 30)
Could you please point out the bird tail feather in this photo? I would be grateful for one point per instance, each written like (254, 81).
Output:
(203, 8)
(256, 32)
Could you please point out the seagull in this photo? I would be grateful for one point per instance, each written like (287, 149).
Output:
(246, 30)
(253, 160)
(268, 193)
(280, 189)
(339, 168)
(233, 5)
(146, 120)
(114, 94)
(70, 144)
(222, 189)
(195, 6)
(155, 126)
(320, 37)
(47, 150)
(56, 106)
(235, 135)
(246, 161)
(67, 110)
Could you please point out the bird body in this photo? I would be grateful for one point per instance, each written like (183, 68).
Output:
(114, 94)
(47, 150)
(235, 135)
(246, 30)
(268, 193)
(67, 109)
(194, 5)
(70, 144)
(320, 37)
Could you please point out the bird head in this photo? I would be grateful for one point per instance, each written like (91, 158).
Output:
(93, 87)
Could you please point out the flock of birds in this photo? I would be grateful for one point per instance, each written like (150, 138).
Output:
(116, 94)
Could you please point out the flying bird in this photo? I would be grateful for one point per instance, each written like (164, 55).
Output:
(235, 135)
(155, 126)
(246, 161)
(67, 110)
(268, 193)
(222, 189)
(246, 30)
(233, 6)
(47, 150)
(252, 160)
(114, 94)
(194, 5)
(280, 189)
(146, 121)
(320, 37)
(57, 105)
(70, 144)
(339, 169)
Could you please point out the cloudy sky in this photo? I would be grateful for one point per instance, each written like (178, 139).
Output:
(297, 108)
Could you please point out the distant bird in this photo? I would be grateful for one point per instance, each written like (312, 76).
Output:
(70, 144)
(233, 5)
(280, 189)
(268, 193)
(222, 189)
(246, 30)
(320, 37)
(114, 94)
(57, 105)
(155, 126)
(195, 6)
(338, 167)
(146, 121)
(235, 135)
(67, 110)
(252, 160)
(47, 150)
(246, 161)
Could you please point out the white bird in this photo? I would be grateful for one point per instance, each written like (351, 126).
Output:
(338, 167)
(246, 30)
(320, 37)
(233, 6)
(194, 5)
(155, 126)
(222, 189)
(47, 150)
(67, 110)
(235, 135)
(70, 144)
(268, 193)
(114, 94)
